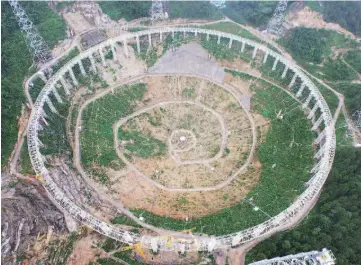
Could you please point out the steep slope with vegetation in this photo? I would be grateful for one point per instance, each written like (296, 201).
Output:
(252, 13)
(16, 60)
(130, 10)
(335, 221)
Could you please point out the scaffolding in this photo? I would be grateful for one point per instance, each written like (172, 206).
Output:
(324, 257)
(275, 24)
(326, 142)
(36, 44)
(158, 10)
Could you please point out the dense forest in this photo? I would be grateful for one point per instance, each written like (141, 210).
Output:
(130, 10)
(345, 13)
(335, 221)
(16, 61)
(252, 13)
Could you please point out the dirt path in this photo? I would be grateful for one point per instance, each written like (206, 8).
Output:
(76, 157)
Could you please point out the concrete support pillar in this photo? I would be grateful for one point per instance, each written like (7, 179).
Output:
(313, 111)
(305, 105)
(82, 70)
(42, 76)
(275, 64)
(56, 94)
(149, 40)
(102, 57)
(73, 76)
(65, 85)
(265, 58)
(44, 120)
(40, 143)
(293, 80)
(320, 136)
(195, 33)
(160, 36)
(92, 61)
(299, 92)
(284, 72)
(138, 44)
(126, 48)
(184, 34)
(114, 52)
(254, 52)
(154, 244)
(230, 43)
(173, 34)
(317, 123)
(50, 104)
(207, 36)
(316, 167)
(219, 39)
(243, 46)
(319, 152)
(211, 244)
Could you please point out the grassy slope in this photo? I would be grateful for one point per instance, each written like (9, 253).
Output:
(272, 193)
(15, 62)
(97, 133)
(334, 223)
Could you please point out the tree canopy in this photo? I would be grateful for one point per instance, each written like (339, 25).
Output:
(335, 221)
(247, 12)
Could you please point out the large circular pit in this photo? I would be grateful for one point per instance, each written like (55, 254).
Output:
(174, 149)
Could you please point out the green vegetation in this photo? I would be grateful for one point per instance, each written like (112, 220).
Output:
(34, 91)
(252, 13)
(352, 93)
(313, 45)
(337, 70)
(63, 4)
(124, 255)
(347, 14)
(221, 51)
(51, 27)
(315, 50)
(144, 146)
(194, 10)
(53, 136)
(124, 220)
(16, 60)
(106, 261)
(134, 29)
(237, 30)
(315, 6)
(233, 29)
(286, 157)
(128, 10)
(97, 133)
(329, 96)
(189, 92)
(26, 167)
(335, 221)
(74, 52)
(353, 58)
(149, 56)
(59, 251)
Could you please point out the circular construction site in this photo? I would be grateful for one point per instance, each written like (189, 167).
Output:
(181, 139)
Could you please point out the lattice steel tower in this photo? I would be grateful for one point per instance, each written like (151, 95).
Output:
(324, 257)
(36, 44)
(158, 11)
(275, 24)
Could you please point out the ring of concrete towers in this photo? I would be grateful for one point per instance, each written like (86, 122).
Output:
(325, 142)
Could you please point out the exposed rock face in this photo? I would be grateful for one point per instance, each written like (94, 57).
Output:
(26, 213)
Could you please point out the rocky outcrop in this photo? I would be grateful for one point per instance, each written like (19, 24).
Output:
(26, 214)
